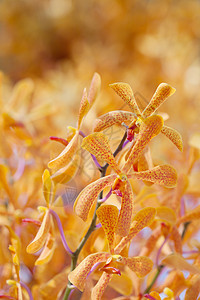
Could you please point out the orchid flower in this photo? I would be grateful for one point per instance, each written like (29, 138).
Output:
(98, 145)
(139, 121)
(112, 261)
(44, 237)
(65, 165)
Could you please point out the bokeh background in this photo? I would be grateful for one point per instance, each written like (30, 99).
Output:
(140, 42)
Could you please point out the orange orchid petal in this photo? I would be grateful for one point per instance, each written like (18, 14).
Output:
(47, 252)
(41, 235)
(164, 175)
(149, 128)
(142, 219)
(108, 216)
(182, 185)
(52, 288)
(176, 261)
(194, 290)
(192, 215)
(46, 179)
(162, 92)
(166, 214)
(97, 144)
(112, 118)
(122, 284)
(141, 265)
(176, 237)
(174, 136)
(78, 276)
(67, 173)
(94, 88)
(100, 287)
(126, 211)
(66, 155)
(84, 108)
(89, 195)
(125, 92)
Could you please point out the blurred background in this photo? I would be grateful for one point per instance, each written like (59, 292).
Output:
(140, 42)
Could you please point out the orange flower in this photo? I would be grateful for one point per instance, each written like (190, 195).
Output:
(65, 165)
(141, 265)
(98, 145)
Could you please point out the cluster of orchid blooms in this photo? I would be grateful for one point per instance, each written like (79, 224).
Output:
(119, 225)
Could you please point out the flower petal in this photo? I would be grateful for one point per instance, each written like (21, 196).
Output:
(162, 92)
(192, 215)
(166, 214)
(176, 261)
(176, 238)
(108, 216)
(65, 174)
(47, 252)
(125, 92)
(51, 288)
(126, 211)
(142, 219)
(94, 88)
(174, 136)
(41, 235)
(66, 155)
(84, 108)
(164, 175)
(194, 290)
(141, 265)
(88, 196)
(100, 287)
(149, 128)
(46, 179)
(112, 118)
(97, 144)
(78, 276)
(122, 284)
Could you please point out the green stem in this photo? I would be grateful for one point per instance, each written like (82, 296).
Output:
(159, 269)
(75, 255)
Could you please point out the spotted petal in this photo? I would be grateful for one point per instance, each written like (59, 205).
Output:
(66, 155)
(108, 215)
(89, 195)
(97, 144)
(112, 118)
(100, 287)
(174, 136)
(149, 128)
(141, 265)
(162, 92)
(126, 211)
(142, 219)
(94, 88)
(84, 108)
(41, 235)
(125, 92)
(78, 276)
(164, 175)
